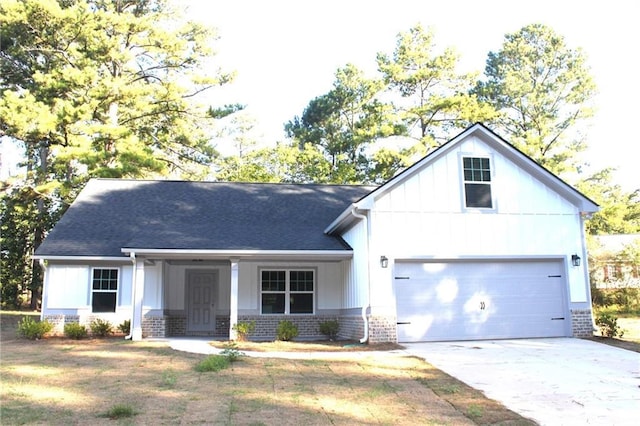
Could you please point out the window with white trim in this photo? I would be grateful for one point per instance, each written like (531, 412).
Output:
(477, 182)
(104, 289)
(287, 291)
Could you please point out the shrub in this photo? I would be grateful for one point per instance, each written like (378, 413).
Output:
(73, 330)
(232, 352)
(100, 328)
(286, 330)
(609, 325)
(244, 329)
(120, 411)
(33, 330)
(213, 363)
(330, 328)
(125, 327)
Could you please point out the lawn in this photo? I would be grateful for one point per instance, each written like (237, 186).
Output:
(59, 381)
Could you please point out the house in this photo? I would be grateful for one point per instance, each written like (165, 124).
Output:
(474, 241)
(615, 262)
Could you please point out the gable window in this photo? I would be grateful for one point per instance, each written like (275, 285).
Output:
(104, 288)
(477, 182)
(287, 291)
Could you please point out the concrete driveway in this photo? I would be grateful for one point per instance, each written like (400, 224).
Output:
(559, 381)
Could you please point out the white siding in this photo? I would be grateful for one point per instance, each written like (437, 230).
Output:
(174, 276)
(424, 217)
(67, 287)
(356, 288)
(328, 289)
(152, 287)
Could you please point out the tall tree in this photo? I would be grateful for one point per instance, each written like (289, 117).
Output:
(102, 88)
(432, 98)
(343, 123)
(619, 210)
(542, 90)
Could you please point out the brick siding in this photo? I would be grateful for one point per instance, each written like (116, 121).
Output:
(581, 323)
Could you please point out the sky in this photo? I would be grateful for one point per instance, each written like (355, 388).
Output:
(286, 52)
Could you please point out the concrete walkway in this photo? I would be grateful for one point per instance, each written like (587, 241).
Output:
(559, 381)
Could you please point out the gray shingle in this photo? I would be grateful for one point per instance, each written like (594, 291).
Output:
(111, 214)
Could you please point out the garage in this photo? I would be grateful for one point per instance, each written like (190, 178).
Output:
(473, 300)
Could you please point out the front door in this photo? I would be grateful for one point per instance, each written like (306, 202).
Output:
(201, 296)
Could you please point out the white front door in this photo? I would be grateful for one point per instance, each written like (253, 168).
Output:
(201, 297)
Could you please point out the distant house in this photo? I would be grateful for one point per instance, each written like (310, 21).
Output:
(614, 261)
(474, 241)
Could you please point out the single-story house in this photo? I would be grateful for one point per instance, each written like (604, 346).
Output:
(474, 241)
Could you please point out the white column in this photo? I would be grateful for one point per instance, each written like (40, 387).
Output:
(233, 302)
(138, 296)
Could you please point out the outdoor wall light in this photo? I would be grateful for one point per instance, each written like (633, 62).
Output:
(384, 262)
(575, 260)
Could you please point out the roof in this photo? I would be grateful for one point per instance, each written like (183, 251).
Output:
(581, 201)
(111, 214)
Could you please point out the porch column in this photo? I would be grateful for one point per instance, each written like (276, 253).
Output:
(233, 302)
(138, 296)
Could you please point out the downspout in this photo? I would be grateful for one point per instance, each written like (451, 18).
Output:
(365, 338)
(132, 256)
(43, 266)
(585, 265)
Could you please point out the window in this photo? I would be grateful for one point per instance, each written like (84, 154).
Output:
(104, 287)
(477, 182)
(287, 291)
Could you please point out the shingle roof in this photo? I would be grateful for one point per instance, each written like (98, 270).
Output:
(111, 214)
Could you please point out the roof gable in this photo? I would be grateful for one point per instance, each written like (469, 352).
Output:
(109, 215)
(491, 142)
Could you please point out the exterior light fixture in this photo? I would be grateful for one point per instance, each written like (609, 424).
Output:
(384, 262)
(575, 260)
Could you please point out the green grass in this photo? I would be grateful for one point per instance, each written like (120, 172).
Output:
(213, 363)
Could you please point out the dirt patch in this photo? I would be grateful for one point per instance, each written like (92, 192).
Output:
(60, 381)
(308, 346)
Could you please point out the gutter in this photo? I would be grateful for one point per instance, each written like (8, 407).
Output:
(132, 256)
(365, 338)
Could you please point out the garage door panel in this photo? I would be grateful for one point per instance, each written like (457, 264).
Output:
(479, 300)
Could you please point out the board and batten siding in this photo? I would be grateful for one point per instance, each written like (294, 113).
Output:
(424, 217)
(328, 285)
(68, 290)
(356, 277)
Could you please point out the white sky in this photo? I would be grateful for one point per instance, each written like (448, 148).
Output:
(286, 53)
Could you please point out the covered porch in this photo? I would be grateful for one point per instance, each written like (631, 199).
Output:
(207, 292)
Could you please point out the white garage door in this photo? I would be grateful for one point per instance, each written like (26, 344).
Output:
(480, 300)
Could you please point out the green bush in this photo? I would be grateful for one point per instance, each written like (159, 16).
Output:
(125, 327)
(73, 330)
(213, 363)
(232, 352)
(100, 327)
(33, 330)
(120, 411)
(609, 325)
(286, 331)
(244, 329)
(330, 328)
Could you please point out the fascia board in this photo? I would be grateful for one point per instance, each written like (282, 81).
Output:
(84, 258)
(239, 253)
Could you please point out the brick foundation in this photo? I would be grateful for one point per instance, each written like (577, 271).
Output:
(155, 326)
(351, 327)
(581, 323)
